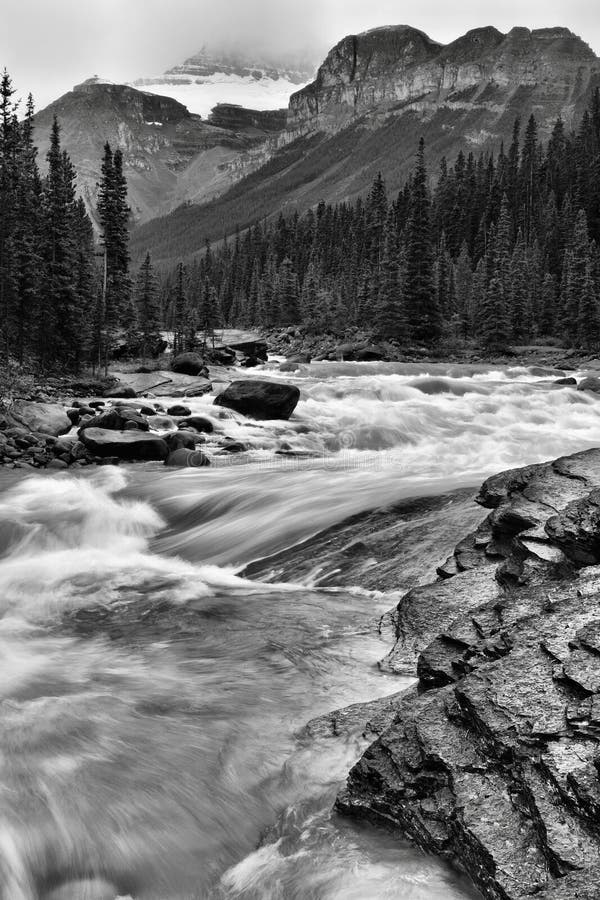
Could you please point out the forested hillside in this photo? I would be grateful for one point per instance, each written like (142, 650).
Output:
(503, 249)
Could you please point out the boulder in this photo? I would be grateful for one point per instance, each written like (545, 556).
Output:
(189, 364)
(161, 423)
(372, 352)
(180, 440)
(105, 442)
(234, 447)
(193, 459)
(256, 348)
(260, 399)
(249, 362)
(120, 390)
(179, 410)
(198, 423)
(47, 417)
(567, 382)
(116, 419)
(591, 383)
(361, 352)
(57, 464)
(221, 356)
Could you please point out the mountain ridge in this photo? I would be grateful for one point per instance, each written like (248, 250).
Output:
(374, 96)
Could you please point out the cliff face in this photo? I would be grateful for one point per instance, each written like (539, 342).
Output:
(493, 762)
(392, 68)
(170, 156)
(376, 94)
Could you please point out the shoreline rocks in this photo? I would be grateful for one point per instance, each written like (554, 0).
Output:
(493, 760)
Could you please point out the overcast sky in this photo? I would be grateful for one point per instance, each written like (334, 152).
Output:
(50, 45)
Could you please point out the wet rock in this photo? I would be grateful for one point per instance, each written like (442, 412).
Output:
(198, 423)
(180, 440)
(58, 464)
(260, 399)
(493, 762)
(189, 364)
(147, 410)
(221, 356)
(256, 348)
(193, 459)
(119, 390)
(47, 417)
(576, 529)
(116, 419)
(591, 383)
(567, 382)
(249, 362)
(234, 447)
(179, 410)
(161, 423)
(127, 445)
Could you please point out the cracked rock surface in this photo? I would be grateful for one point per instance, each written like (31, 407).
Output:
(493, 760)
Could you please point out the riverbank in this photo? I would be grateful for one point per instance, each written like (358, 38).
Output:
(300, 346)
(491, 761)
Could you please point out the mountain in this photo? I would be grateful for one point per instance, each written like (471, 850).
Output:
(233, 76)
(373, 97)
(170, 155)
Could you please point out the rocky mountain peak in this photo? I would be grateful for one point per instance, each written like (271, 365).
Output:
(391, 68)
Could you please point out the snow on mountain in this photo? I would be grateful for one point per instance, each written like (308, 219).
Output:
(231, 77)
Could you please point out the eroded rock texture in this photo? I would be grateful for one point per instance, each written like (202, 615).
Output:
(493, 760)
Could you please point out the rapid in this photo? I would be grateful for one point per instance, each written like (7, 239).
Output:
(155, 700)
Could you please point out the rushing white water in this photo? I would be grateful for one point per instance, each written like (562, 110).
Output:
(153, 701)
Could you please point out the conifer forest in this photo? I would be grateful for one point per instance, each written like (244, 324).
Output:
(497, 249)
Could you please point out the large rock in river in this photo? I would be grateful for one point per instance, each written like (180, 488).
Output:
(124, 444)
(47, 418)
(493, 762)
(116, 419)
(189, 364)
(260, 399)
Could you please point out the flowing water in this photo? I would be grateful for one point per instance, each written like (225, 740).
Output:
(153, 700)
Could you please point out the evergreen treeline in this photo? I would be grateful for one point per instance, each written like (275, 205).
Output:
(503, 250)
(64, 303)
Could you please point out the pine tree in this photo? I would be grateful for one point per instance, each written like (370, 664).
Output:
(588, 323)
(179, 310)
(58, 314)
(148, 308)
(423, 313)
(113, 214)
(495, 326)
(389, 313)
(287, 294)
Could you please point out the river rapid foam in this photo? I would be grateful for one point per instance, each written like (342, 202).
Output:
(152, 740)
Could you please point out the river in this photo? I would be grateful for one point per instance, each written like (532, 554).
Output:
(154, 700)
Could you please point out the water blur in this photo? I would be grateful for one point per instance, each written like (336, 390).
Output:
(152, 740)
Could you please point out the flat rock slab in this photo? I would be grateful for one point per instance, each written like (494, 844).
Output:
(124, 444)
(165, 384)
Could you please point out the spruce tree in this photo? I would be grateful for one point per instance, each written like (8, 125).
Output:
(148, 308)
(494, 322)
(287, 297)
(423, 313)
(113, 214)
